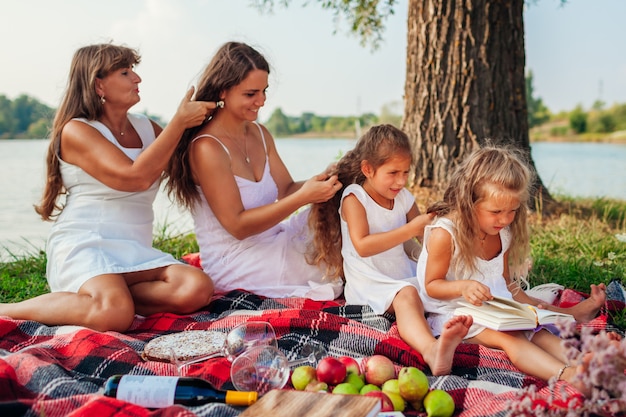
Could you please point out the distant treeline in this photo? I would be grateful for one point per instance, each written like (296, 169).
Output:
(27, 118)
(282, 125)
(24, 117)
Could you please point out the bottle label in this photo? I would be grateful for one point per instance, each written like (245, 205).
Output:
(148, 391)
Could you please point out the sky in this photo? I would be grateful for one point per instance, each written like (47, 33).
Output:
(576, 52)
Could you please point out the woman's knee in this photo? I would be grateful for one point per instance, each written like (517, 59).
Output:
(193, 292)
(112, 315)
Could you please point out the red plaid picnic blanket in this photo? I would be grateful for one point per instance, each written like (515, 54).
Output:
(59, 371)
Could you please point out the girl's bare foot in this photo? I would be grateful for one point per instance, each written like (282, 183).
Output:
(441, 353)
(587, 310)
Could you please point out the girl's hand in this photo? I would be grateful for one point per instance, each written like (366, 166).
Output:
(418, 223)
(475, 292)
(320, 188)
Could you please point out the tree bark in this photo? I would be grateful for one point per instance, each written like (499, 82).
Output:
(465, 84)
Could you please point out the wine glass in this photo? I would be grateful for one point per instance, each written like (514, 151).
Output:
(260, 369)
(263, 368)
(238, 340)
(311, 353)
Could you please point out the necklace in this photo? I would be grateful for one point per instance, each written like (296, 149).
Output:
(108, 125)
(244, 150)
(245, 144)
(482, 239)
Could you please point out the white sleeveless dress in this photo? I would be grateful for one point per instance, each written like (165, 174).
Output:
(102, 230)
(490, 272)
(375, 280)
(271, 263)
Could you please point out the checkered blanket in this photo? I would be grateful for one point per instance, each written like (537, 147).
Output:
(59, 371)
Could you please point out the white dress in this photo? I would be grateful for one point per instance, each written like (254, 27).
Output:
(490, 272)
(375, 280)
(102, 230)
(271, 263)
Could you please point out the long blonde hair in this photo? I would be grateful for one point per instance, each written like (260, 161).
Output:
(80, 100)
(488, 172)
(378, 145)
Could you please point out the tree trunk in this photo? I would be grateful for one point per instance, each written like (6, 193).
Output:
(465, 84)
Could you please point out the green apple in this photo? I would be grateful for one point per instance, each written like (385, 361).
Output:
(391, 385)
(438, 403)
(302, 376)
(413, 383)
(398, 402)
(368, 388)
(355, 379)
(345, 388)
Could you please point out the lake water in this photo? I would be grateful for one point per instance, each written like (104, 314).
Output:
(578, 170)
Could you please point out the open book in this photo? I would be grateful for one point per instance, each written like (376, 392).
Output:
(507, 314)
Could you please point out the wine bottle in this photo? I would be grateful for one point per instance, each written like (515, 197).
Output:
(152, 391)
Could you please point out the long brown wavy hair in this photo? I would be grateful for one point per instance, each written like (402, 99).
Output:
(491, 171)
(229, 67)
(378, 145)
(80, 100)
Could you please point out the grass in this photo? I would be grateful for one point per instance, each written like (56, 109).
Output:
(584, 243)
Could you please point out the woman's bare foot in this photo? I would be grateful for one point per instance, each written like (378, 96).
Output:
(441, 353)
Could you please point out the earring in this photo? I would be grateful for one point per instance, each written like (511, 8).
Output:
(219, 104)
(102, 100)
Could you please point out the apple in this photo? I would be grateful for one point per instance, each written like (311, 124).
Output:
(345, 388)
(369, 387)
(391, 385)
(378, 369)
(438, 403)
(412, 383)
(351, 364)
(331, 371)
(355, 379)
(398, 402)
(317, 386)
(302, 376)
(385, 402)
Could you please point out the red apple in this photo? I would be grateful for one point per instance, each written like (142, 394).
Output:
(331, 371)
(385, 402)
(378, 369)
(351, 364)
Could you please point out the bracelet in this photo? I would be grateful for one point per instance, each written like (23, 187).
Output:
(560, 373)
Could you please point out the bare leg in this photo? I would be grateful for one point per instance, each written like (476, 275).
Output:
(179, 289)
(415, 331)
(102, 303)
(532, 358)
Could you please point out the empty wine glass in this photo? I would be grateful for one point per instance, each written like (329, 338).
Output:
(260, 369)
(311, 353)
(238, 340)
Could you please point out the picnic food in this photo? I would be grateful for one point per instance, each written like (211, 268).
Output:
(184, 345)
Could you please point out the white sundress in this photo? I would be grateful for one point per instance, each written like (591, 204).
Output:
(490, 272)
(375, 280)
(271, 263)
(102, 230)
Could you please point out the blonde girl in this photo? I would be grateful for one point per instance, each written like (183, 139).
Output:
(376, 215)
(478, 247)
